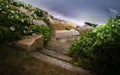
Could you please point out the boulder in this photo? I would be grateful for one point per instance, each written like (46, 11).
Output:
(82, 29)
(31, 43)
(66, 34)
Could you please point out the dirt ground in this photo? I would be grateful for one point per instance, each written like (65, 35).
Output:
(17, 62)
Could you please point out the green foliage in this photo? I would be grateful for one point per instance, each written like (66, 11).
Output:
(15, 24)
(7, 35)
(47, 22)
(99, 48)
(39, 12)
(46, 31)
(11, 18)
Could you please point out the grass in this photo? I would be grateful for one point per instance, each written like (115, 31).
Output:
(14, 61)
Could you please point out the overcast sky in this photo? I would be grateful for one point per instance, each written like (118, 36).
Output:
(95, 11)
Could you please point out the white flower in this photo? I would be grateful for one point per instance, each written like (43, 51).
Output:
(32, 12)
(99, 34)
(94, 31)
(25, 31)
(0, 9)
(12, 16)
(12, 12)
(33, 34)
(31, 31)
(26, 27)
(7, 6)
(113, 25)
(22, 20)
(2, 3)
(84, 49)
(107, 31)
(12, 28)
(102, 37)
(3, 12)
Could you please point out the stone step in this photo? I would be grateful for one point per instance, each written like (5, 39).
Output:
(58, 47)
(57, 55)
(56, 43)
(60, 63)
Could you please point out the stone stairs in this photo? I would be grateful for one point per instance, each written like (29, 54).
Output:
(57, 46)
(60, 63)
(56, 53)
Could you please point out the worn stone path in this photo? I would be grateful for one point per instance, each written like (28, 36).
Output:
(60, 63)
(56, 53)
(57, 46)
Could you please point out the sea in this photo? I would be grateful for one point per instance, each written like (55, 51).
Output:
(79, 11)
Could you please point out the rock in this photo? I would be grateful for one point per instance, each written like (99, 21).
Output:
(65, 34)
(25, 11)
(39, 22)
(82, 29)
(61, 24)
(91, 24)
(60, 63)
(31, 43)
(57, 55)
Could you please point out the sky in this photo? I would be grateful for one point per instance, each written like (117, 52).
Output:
(80, 11)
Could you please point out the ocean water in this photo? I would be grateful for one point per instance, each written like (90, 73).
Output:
(80, 11)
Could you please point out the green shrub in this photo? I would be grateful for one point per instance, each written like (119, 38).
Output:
(47, 21)
(12, 18)
(99, 49)
(39, 12)
(8, 35)
(46, 31)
